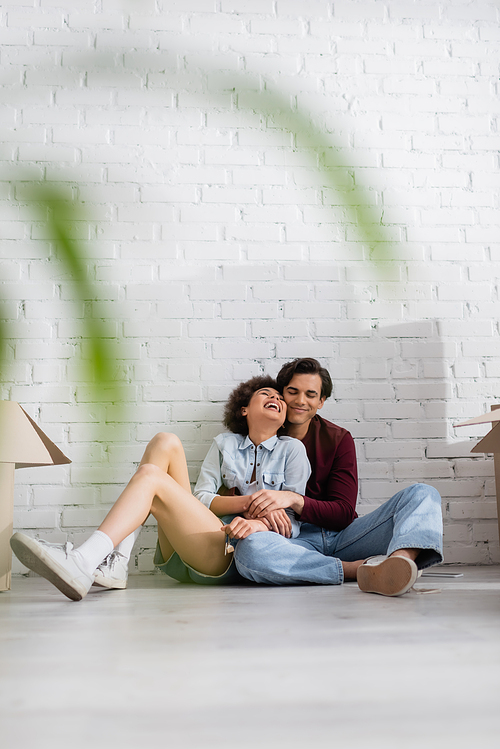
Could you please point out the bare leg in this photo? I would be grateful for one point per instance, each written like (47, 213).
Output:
(351, 569)
(166, 451)
(184, 523)
(190, 528)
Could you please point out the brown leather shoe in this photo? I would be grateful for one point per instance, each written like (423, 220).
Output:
(391, 576)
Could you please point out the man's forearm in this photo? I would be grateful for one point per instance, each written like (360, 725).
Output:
(334, 514)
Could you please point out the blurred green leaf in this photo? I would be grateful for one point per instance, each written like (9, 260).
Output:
(60, 215)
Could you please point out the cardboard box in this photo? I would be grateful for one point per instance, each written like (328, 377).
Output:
(22, 445)
(489, 444)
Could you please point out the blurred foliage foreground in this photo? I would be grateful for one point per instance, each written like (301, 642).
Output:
(60, 215)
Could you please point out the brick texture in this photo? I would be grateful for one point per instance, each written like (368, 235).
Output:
(239, 165)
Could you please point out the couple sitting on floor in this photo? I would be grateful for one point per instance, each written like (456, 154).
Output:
(281, 485)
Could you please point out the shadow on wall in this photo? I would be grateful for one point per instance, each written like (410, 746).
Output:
(394, 390)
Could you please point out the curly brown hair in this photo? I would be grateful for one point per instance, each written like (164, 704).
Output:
(240, 397)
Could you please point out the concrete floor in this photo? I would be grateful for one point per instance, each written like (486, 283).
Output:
(186, 667)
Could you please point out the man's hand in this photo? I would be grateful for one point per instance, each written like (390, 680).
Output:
(268, 500)
(241, 527)
(276, 521)
(279, 522)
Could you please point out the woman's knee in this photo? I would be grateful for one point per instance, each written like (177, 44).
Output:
(165, 442)
(148, 472)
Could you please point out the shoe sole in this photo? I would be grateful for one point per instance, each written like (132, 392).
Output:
(105, 582)
(392, 577)
(37, 559)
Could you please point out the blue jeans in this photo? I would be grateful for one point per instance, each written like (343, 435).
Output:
(412, 519)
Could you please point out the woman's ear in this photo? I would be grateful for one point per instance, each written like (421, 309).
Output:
(244, 410)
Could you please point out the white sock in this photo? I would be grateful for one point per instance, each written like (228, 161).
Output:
(125, 547)
(91, 553)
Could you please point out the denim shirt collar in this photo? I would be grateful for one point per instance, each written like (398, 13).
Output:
(269, 444)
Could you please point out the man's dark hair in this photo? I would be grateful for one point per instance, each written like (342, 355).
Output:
(305, 366)
(240, 397)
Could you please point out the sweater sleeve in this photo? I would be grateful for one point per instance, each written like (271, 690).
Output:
(337, 508)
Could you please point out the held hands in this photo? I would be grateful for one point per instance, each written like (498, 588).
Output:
(277, 521)
(241, 527)
(265, 511)
(267, 500)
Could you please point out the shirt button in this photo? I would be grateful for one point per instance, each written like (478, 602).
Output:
(248, 482)
(258, 464)
(272, 482)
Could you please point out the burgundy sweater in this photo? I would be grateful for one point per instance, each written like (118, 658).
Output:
(332, 489)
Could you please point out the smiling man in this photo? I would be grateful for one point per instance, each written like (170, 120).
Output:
(383, 550)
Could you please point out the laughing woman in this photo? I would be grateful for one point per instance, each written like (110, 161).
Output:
(192, 546)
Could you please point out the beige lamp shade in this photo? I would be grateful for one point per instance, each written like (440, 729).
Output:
(22, 442)
(22, 445)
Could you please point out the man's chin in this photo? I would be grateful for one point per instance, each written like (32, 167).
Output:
(298, 419)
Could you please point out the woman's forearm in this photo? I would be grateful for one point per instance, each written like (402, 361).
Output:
(228, 505)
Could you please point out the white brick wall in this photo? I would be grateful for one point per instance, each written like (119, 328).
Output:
(223, 244)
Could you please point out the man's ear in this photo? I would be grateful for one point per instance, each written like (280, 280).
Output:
(321, 403)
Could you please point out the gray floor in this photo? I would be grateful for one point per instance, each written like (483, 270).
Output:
(168, 665)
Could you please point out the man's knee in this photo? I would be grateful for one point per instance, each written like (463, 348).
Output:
(421, 499)
(425, 491)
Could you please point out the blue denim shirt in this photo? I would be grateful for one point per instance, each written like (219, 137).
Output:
(281, 464)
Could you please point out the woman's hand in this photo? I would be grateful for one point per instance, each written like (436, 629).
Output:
(241, 527)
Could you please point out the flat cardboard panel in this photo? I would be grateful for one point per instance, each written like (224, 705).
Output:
(483, 419)
(489, 444)
(6, 517)
(22, 444)
(496, 458)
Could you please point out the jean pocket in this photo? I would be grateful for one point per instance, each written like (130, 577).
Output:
(228, 477)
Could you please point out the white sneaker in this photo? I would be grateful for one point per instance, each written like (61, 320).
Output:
(112, 572)
(55, 562)
(387, 576)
